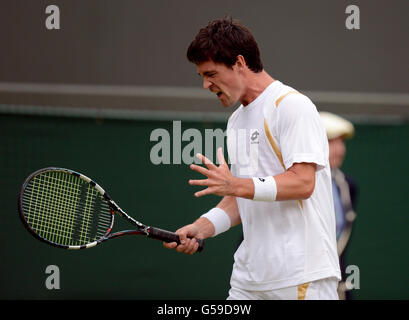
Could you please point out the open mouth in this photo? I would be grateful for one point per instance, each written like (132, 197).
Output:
(219, 93)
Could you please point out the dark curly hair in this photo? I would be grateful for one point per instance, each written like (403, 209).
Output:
(221, 41)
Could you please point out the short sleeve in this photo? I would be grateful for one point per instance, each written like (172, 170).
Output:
(301, 134)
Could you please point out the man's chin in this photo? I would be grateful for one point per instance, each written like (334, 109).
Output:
(226, 103)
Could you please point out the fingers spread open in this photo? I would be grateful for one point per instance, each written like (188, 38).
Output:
(204, 182)
(209, 164)
(204, 192)
(220, 156)
(200, 169)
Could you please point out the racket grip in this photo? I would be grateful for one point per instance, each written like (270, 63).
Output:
(167, 236)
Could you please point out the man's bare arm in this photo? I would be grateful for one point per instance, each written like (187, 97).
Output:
(297, 183)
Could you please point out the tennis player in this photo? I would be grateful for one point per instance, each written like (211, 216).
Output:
(279, 186)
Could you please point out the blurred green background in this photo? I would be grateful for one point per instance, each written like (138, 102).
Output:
(116, 154)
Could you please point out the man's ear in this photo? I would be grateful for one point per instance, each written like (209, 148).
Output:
(240, 62)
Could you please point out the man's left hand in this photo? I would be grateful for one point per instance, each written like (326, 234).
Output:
(219, 178)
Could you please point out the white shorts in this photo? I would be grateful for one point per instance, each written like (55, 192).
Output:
(323, 289)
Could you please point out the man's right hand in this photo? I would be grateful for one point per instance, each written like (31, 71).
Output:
(202, 228)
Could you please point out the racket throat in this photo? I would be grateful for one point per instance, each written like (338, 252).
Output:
(141, 226)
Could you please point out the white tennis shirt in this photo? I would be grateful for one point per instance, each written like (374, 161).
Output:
(286, 243)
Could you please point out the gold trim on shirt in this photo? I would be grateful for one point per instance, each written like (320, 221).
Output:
(302, 290)
(271, 139)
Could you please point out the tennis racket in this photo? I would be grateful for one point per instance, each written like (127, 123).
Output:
(68, 210)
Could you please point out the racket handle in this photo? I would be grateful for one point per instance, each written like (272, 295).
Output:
(167, 236)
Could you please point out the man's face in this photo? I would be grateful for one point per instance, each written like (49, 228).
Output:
(225, 82)
(337, 152)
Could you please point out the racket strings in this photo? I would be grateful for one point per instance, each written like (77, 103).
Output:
(52, 218)
(55, 216)
(43, 224)
(84, 218)
(71, 204)
(65, 209)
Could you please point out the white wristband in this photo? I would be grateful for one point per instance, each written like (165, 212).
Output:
(265, 189)
(219, 218)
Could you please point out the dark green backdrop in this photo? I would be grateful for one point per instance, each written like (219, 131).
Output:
(117, 155)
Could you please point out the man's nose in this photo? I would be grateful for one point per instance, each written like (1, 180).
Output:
(206, 84)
